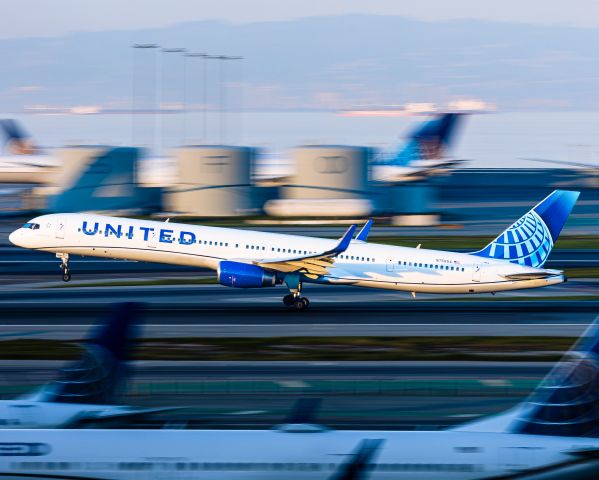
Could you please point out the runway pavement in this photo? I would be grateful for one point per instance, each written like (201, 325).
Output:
(212, 310)
(40, 371)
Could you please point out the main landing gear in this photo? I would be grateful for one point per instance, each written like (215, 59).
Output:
(64, 266)
(294, 299)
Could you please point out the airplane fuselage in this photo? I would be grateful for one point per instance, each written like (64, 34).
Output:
(276, 454)
(362, 264)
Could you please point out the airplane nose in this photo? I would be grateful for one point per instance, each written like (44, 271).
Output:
(12, 238)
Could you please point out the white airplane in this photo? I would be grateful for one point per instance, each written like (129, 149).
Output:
(85, 390)
(424, 154)
(246, 259)
(553, 435)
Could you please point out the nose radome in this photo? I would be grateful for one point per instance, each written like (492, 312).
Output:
(12, 238)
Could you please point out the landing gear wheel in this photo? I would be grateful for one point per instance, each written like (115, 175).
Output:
(299, 304)
(288, 300)
(64, 266)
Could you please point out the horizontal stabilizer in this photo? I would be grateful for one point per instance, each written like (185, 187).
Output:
(532, 275)
(116, 413)
(588, 453)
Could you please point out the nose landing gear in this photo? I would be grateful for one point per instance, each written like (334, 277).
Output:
(64, 266)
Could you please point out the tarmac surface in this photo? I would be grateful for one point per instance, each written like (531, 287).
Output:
(385, 395)
(213, 310)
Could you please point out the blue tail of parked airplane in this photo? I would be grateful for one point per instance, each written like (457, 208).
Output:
(16, 138)
(530, 240)
(566, 403)
(98, 375)
(108, 182)
(429, 141)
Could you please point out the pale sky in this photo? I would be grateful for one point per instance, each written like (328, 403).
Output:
(27, 18)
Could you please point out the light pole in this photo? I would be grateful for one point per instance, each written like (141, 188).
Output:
(166, 51)
(202, 56)
(222, 95)
(134, 110)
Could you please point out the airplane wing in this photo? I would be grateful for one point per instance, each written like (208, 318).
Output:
(310, 265)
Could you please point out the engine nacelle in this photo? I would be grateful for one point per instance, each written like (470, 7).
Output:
(244, 275)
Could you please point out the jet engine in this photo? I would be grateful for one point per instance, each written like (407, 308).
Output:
(244, 275)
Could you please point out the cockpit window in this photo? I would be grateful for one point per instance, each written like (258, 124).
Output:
(32, 226)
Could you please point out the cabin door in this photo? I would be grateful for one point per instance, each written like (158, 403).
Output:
(390, 264)
(59, 229)
(153, 238)
(516, 459)
(476, 273)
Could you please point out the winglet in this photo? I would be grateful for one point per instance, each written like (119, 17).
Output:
(363, 234)
(343, 242)
(358, 467)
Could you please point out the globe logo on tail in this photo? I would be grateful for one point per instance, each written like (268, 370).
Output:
(526, 242)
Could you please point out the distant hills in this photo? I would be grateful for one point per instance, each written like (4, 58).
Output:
(321, 62)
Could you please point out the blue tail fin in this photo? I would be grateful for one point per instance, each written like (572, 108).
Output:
(108, 181)
(429, 141)
(97, 377)
(529, 241)
(15, 137)
(566, 403)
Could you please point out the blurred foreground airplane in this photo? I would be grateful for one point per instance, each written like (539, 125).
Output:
(85, 390)
(247, 259)
(553, 435)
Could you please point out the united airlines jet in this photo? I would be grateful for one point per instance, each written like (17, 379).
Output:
(246, 259)
(553, 435)
(86, 390)
(424, 154)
